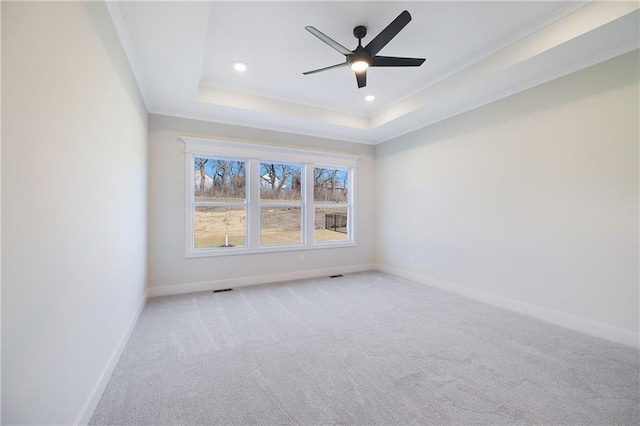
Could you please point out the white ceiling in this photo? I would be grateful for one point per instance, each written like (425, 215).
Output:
(477, 52)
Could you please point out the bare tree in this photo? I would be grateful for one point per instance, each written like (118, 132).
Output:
(330, 184)
(236, 170)
(221, 172)
(277, 176)
(228, 179)
(199, 165)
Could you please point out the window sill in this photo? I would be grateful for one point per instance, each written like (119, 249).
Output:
(240, 251)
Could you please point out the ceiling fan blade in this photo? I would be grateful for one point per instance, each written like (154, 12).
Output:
(361, 78)
(388, 33)
(322, 36)
(391, 61)
(325, 68)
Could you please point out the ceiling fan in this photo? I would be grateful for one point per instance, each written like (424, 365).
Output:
(362, 58)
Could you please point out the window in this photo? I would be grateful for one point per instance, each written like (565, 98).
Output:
(244, 198)
(331, 204)
(219, 200)
(281, 204)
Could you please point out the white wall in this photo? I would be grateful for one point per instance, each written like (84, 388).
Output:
(0, 217)
(74, 181)
(530, 202)
(170, 272)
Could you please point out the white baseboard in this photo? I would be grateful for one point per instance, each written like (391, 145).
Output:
(594, 328)
(254, 280)
(96, 393)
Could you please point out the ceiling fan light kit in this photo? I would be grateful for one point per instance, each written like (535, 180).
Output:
(359, 66)
(360, 59)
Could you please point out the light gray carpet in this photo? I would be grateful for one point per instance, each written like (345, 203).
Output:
(367, 348)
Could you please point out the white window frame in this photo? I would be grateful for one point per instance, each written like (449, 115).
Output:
(275, 204)
(254, 154)
(244, 204)
(348, 205)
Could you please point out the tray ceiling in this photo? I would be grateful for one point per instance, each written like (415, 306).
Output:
(477, 52)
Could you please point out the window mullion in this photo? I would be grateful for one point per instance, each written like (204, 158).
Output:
(351, 230)
(309, 211)
(217, 204)
(280, 205)
(190, 206)
(253, 206)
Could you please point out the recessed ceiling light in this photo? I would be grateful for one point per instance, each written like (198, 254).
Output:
(369, 98)
(239, 66)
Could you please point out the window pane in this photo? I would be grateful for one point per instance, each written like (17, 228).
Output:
(330, 185)
(280, 225)
(219, 180)
(219, 227)
(331, 224)
(281, 182)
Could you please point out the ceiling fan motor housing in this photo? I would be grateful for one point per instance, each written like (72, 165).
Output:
(359, 55)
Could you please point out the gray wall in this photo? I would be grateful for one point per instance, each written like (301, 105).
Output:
(532, 199)
(74, 191)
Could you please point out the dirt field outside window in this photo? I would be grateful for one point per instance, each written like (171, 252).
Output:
(278, 226)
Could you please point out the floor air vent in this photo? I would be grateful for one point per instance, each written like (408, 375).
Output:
(336, 276)
(224, 289)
